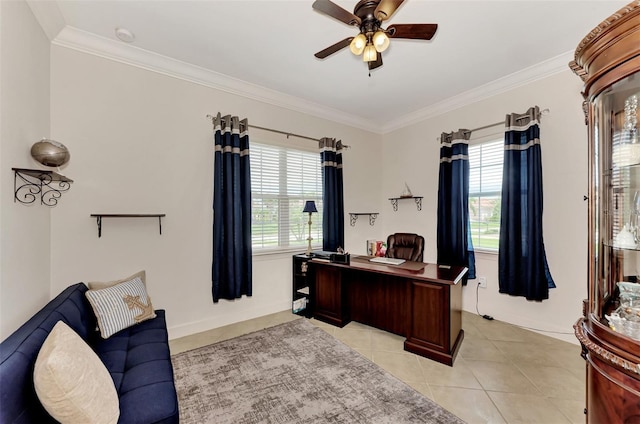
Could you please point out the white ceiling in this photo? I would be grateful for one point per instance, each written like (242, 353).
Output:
(264, 49)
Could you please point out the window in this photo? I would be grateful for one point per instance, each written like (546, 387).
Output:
(485, 187)
(282, 179)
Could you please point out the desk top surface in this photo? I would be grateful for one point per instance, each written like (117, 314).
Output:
(415, 270)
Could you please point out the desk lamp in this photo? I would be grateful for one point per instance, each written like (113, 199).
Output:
(309, 207)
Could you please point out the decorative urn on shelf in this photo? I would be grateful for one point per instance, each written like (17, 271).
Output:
(50, 152)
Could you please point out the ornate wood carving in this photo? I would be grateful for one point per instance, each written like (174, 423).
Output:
(601, 352)
(604, 25)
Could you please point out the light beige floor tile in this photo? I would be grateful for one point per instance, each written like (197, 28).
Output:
(473, 406)
(501, 377)
(572, 409)
(354, 338)
(471, 331)
(438, 374)
(388, 342)
(519, 408)
(229, 331)
(481, 350)
(367, 353)
(497, 330)
(403, 366)
(357, 326)
(554, 382)
(423, 388)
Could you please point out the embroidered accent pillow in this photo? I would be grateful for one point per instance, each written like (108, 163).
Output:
(71, 381)
(97, 285)
(120, 306)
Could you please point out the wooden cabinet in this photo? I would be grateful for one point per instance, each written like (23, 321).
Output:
(608, 61)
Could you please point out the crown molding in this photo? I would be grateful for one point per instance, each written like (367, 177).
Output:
(49, 16)
(90, 43)
(86, 42)
(526, 76)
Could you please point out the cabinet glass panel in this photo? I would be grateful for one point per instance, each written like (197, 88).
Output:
(617, 179)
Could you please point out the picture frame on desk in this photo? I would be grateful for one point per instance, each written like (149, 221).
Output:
(376, 248)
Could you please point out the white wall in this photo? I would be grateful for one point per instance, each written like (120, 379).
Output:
(140, 143)
(24, 119)
(412, 154)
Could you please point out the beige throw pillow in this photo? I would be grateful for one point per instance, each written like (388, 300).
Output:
(97, 285)
(120, 306)
(72, 383)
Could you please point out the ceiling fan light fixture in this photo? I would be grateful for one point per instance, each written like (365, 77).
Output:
(380, 41)
(370, 54)
(358, 44)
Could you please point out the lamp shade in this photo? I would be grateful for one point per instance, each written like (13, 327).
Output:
(357, 44)
(310, 206)
(370, 54)
(380, 41)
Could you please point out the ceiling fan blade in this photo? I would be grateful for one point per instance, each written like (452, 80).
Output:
(329, 8)
(386, 8)
(334, 48)
(412, 31)
(376, 63)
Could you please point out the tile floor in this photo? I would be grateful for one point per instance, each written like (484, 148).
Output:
(503, 374)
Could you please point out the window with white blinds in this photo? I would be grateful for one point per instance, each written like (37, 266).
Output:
(485, 188)
(282, 179)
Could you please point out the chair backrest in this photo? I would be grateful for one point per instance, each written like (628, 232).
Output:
(407, 246)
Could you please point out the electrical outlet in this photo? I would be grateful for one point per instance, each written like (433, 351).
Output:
(482, 282)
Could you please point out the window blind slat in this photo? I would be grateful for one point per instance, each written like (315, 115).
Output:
(485, 185)
(282, 179)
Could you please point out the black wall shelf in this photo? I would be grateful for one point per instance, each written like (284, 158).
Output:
(353, 217)
(417, 199)
(29, 184)
(99, 217)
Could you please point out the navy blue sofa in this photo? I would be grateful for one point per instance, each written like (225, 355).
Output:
(137, 358)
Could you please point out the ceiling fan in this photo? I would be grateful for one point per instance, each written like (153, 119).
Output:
(373, 39)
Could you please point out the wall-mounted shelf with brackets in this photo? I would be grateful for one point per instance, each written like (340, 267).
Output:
(353, 217)
(29, 184)
(417, 199)
(99, 217)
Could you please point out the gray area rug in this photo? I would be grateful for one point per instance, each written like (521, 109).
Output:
(293, 373)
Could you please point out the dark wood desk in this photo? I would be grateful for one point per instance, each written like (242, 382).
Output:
(422, 302)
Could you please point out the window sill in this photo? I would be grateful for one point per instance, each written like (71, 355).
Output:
(486, 252)
(288, 251)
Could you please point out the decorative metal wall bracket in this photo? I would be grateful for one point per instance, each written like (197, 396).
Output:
(29, 184)
(353, 217)
(99, 217)
(394, 201)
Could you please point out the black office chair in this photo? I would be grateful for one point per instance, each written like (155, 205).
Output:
(407, 246)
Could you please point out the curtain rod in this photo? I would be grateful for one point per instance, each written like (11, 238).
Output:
(288, 134)
(542, 113)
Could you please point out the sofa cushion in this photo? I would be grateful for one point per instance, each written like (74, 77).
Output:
(71, 382)
(121, 306)
(18, 354)
(139, 361)
(97, 285)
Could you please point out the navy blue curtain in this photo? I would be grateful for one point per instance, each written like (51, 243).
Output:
(522, 265)
(332, 194)
(454, 234)
(231, 269)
